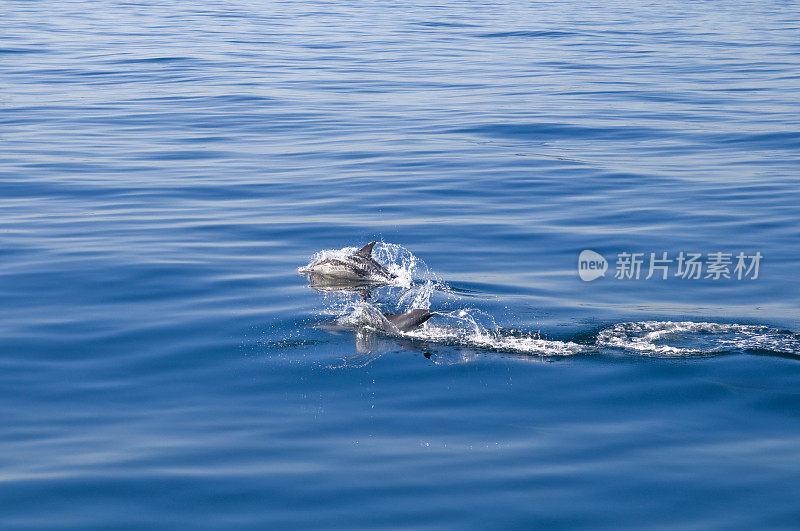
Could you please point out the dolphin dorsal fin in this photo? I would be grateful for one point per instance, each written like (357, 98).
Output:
(409, 320)
(366, 251)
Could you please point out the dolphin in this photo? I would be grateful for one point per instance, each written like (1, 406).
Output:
(360, 266)
(392, 323)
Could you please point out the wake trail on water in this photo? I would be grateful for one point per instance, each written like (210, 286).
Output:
(467, 327)
(668, 339)
(416, 284)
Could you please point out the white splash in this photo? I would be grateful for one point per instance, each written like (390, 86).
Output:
(466, 327)
(361, 315)
(474, 328)
(687, 338)
(401, 262)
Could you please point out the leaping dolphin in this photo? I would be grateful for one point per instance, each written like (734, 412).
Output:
(359, 266)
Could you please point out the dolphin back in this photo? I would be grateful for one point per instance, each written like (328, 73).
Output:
(409, 320)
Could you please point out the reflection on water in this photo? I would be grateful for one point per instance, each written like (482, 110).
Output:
(324, 283)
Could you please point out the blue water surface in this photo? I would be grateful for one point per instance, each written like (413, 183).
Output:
(166, 167)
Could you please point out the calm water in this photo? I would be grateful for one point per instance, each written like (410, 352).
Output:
(164, 171)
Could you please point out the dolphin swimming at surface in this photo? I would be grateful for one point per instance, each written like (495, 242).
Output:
(392, 323)
(359, 266)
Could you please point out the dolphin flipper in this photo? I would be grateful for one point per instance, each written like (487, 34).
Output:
(366, 251)
(409, 320)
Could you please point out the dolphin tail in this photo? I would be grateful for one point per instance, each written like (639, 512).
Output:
(409, 320)
(366, 251)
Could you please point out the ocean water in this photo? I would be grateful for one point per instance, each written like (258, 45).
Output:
(166, 168)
